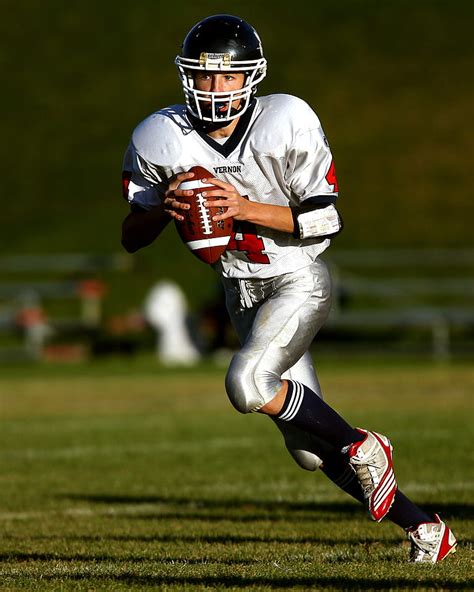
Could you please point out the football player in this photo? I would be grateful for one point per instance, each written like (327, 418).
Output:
(276, 179)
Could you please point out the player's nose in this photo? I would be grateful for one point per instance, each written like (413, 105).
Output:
(216, 84)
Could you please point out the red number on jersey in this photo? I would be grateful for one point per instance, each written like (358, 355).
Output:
(126, 176)
(250, 243)
(331, 177)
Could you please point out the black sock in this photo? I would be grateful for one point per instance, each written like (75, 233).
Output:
(339, 471)
(403, 513)
(304, 409)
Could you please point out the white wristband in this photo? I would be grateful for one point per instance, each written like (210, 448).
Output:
(319, 222)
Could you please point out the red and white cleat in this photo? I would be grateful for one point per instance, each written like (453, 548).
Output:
(431, 541)
(371, 460)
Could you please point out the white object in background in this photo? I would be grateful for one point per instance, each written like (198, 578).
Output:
(166, 310)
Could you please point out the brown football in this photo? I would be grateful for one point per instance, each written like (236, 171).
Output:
(205, 238)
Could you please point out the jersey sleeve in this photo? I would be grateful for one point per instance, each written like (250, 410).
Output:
(141, 185)
(310, 170)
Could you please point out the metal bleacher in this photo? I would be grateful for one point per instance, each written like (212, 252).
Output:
(27, 282)
(405, 290)
(413, 298)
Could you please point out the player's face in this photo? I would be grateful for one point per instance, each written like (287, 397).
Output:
(219, 82)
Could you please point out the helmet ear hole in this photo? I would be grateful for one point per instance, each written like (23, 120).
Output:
(221, 43)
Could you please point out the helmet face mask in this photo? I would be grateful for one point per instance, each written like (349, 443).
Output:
(221, 44)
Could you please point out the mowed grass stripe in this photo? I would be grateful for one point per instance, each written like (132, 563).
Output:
(136, 448)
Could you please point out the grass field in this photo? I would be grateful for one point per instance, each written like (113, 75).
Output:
(123, 476)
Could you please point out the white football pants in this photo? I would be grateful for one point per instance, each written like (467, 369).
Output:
(276, 321)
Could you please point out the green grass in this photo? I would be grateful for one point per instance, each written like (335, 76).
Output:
(124, 476)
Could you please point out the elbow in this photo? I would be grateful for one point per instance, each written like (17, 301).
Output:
(129, 245)
(129, 238)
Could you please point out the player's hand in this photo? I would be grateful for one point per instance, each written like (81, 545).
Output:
(173, 207)
(237, 207)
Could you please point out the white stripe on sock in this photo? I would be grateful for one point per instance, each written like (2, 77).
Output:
(345, 478)
(295, 402)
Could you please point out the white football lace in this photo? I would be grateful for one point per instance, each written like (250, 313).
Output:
(204, 215)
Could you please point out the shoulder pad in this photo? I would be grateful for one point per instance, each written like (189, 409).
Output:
(292, 108)
(169, 125)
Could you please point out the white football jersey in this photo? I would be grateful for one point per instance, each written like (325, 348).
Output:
(278, 154)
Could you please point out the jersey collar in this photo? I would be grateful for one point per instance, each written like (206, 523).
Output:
(234, 140)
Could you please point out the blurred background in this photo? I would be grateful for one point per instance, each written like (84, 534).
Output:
(392, 83)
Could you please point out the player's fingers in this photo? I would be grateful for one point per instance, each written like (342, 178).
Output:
(175, 215)
(180, 177)
(229, 213)
(221, 217)
(218, 193)
(219, 183)
(217, 203)
(171, 202)
(176, 181)
(180, 193)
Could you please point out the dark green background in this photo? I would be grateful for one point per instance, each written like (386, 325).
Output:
(392, 82)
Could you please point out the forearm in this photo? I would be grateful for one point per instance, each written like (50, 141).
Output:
(140, 229)
(270, 216)
(314, 221)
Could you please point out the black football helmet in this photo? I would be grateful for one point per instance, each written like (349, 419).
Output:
(221, 43)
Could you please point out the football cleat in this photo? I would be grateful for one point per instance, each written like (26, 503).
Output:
(431, 541)
(371, 460)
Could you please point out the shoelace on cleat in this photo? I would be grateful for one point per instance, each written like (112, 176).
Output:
(367, 481)
(427, 547)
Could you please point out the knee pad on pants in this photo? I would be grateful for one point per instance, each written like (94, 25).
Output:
(248, 384)
(305, 459)
(300, 445)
